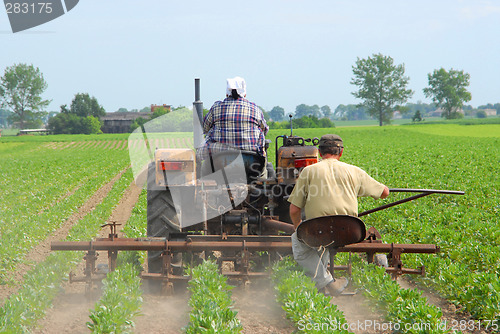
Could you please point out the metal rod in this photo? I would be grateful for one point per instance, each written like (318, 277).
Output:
(433, 191)
(279, 225)
(424, 192)
(133, 244)
(392, 204)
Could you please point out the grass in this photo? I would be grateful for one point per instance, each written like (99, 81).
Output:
(459, 130)
(370, 122)
(62, 138)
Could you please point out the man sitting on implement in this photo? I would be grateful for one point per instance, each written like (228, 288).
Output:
(329, 187)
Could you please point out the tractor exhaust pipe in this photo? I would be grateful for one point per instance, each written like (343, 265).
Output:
(197, 116)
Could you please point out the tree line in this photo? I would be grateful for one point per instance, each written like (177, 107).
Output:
(381, 87)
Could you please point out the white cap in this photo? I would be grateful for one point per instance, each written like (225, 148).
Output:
(237, 83)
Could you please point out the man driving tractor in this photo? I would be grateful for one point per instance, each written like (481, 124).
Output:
(234, 123)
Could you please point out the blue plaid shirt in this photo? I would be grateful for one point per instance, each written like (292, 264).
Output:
(235, 123)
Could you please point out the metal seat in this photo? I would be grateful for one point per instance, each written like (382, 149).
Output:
(332, 231)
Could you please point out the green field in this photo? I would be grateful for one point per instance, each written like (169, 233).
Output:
(453, 157)
(456, 130)
(46, 178)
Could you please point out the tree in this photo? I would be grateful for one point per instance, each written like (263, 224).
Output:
(277, 113)
(4, 118)
(448, 90)
(382, 86)
(82, 116)
(83, 105)
(327, 111)
(21, 88)
(350, 112)
(496, 106)
(417, 117)
(481, 114)
(304, 110)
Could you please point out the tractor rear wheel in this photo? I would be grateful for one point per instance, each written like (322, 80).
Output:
(161, 215)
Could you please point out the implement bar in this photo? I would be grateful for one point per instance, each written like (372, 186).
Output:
(423, 192)
(124, 244)
(139, 245)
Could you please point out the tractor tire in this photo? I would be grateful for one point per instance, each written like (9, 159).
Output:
(161, 217)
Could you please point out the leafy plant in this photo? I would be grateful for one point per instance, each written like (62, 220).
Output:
(406, 308)
(210, 301)
(120, 302)
(310, 310)
(22, 310)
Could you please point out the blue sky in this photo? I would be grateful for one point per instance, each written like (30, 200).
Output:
(133, 53)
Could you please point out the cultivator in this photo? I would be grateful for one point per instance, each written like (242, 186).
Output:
(251, 254)
(243, 223)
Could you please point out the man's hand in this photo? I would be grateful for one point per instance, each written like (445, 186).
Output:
(385, 193)
(295, 215)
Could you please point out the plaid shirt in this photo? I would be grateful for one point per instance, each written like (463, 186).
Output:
(236, 124)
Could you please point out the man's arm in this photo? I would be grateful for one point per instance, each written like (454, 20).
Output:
(295, 214)
(208, 120)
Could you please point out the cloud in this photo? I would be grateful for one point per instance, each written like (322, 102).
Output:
(480, 10)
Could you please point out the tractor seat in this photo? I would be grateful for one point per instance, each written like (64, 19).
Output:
(253, 163)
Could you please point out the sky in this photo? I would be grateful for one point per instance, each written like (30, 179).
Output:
(132, 54)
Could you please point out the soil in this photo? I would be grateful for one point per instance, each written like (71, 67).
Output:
(360, 317)
(258, 310)
(160, 314)
(70, 312)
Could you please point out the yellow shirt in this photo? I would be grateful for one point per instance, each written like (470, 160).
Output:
(331, 187)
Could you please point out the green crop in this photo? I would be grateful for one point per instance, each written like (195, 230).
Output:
(465, 227)
(22, 310)
(41, 188)
(120, 301)
(210, 301)
(405, 308)
(310, 310)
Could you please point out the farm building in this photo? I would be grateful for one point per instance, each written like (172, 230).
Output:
(439, 111)
(119, 122)
(490, 112)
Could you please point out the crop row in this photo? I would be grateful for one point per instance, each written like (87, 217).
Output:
(22, 310)
(406, 310)
(120, 301)
(122, 291)
(41, 188)
(210, 302)
(309, 309)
